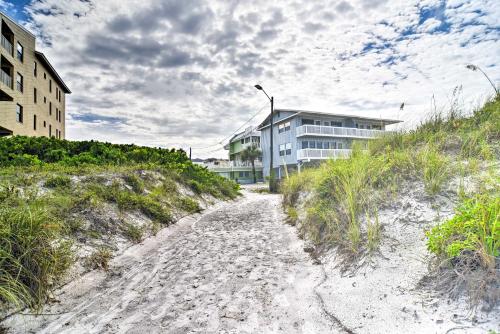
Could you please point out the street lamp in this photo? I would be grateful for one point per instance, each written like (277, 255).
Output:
(272, 187)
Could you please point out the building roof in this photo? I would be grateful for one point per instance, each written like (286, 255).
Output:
(296, 112)
(250, 131)
(41, 57)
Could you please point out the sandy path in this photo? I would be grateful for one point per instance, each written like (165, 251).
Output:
(237, 268)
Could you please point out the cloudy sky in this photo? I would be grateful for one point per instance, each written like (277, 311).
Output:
(181, 72)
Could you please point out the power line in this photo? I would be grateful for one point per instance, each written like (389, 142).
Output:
(232, 134)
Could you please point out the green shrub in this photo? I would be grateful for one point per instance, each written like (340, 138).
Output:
(475, 228)
(58, 181)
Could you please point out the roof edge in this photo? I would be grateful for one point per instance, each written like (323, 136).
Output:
(51, 69)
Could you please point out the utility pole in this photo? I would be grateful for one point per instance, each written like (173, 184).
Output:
(272, 187)
(272, 184)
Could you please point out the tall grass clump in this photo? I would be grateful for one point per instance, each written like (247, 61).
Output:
(32, 255)
(343, 195)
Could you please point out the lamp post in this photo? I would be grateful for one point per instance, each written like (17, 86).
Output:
(272, 187)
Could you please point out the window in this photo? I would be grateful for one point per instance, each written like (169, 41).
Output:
(57, 114)
(44, 99)
(305, 144)
(337, 124)
(377, 127)
(333, 145)
(34, 95)
(20, 52)
(50, 86)
(282, 150)
(19, 113)
(284, 127)
(339, 146)
(34, 68)
(288, 147)
(57, 92)
(306, 121)
(60, 96)
(50, 130)
(247, 140)
(326, 123)
(242, 141)
(45, 75)
(60, 116)
(50, 108)
(44, 124)
(34, 122)
(19, 82)
(317, 122)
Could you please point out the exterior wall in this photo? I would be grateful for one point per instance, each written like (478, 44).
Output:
(26, 98)
(290, 136)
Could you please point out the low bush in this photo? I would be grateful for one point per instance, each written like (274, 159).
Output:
(474, 230)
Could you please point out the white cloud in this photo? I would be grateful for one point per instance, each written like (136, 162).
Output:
(165, 72)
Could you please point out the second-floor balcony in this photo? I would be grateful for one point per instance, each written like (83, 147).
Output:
(321, 154)
(331, 131)
(5, 79)
(6, 44)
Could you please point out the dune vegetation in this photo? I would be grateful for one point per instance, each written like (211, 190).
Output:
(451, 154)
(57, 197)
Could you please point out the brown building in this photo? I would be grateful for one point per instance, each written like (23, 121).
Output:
(32, 94)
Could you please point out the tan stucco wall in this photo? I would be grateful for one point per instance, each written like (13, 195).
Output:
(26, 98)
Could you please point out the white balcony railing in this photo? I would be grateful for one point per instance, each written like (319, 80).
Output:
(315, 154)
(245, 163)
(6, 44)
(5, 79)
(331, 131)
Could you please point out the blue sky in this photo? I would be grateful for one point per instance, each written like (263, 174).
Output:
(181, 73)
(16, 10)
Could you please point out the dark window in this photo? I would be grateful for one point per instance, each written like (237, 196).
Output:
(44, 124)
(20, 52)
(377, 127)
(288, 147)
(44, 99)
(57, 114)
(45, 75)
(337, 124)
(50, 108)
(34, 68)
(34, 95)
(19, 113)
(34, 122)
(57, 92)
(50, 130)
(305, 144)
(50, 86)
(317, 122)
(19, 82)
(306, 121)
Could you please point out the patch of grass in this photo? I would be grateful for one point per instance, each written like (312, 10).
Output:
(58, 181)
(133, 232)
(134, 182)
(32, 255)
(188, 204)
(373, 233)
(99, 259)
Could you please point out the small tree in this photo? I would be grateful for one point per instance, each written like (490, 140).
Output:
(251, 153)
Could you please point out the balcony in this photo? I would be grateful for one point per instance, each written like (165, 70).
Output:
(6, 44)
(321, 154)
(5, 79)
(331, 131)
